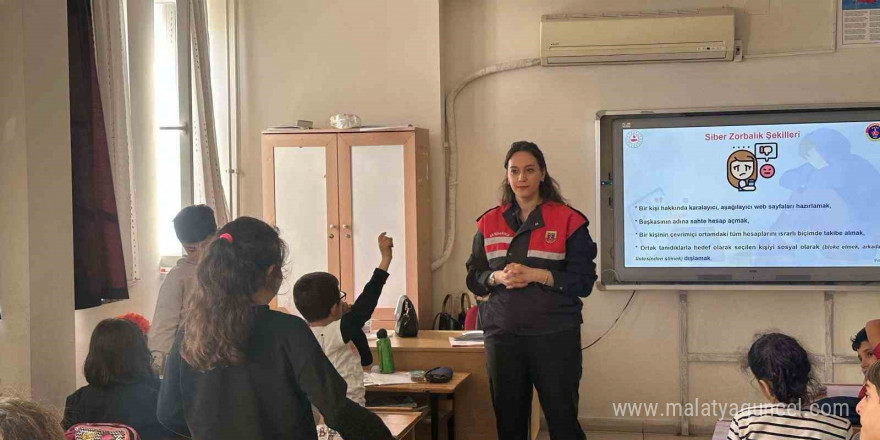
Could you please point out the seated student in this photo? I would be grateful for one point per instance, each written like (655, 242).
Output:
(318, 298)
(194, 225)
(869, 406)
(238, 370)
(23, 419)
(845, 406)
(866, 344)
(783, 371)
(122, 386)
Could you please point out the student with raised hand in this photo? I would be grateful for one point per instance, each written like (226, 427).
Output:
(318, 298)
(784, 375)
(195, 227)
(23, 419)
(240, 370)
(122, 385)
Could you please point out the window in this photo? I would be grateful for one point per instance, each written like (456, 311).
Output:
(178, 155)
(172, 116)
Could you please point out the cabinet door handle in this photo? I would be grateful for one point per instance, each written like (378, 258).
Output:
(331, 235)
(347, 235)
(346, 227)
(332, 226)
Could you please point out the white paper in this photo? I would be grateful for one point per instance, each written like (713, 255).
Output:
(858, 23)
(372, 335)
(386, 379)
(454, 343)
(721, 429)
(833, 390)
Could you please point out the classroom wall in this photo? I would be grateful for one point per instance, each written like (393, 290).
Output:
(556, 107)
(36, 265)
(312, 59)
(143, 292)
(319, 58)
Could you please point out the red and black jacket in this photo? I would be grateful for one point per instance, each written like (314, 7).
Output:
(553, 237)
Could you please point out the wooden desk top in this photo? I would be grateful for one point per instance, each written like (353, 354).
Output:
(430, 340)
(400, 423)
(424, 388)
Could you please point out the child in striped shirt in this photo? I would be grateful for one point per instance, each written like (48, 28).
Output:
(783, 371)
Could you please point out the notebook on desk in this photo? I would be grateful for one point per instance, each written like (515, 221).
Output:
(468, 338)
(386, 379)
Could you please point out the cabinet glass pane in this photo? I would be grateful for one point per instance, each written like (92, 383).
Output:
(301, 214)
(377, 204)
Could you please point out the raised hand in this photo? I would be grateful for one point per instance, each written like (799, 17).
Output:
(386, 244)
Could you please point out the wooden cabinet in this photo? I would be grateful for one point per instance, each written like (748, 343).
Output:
(331, 192)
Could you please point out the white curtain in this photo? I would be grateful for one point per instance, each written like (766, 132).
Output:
(207, 176)
(111, 52)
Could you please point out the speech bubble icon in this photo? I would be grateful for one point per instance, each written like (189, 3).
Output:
(767, 171)
(766, 151)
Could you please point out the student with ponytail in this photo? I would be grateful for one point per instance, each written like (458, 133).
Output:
(239, 370)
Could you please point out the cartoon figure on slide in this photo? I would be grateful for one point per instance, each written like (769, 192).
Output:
(742, 170)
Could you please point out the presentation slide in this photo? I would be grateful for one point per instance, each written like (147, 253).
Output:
(790, 195)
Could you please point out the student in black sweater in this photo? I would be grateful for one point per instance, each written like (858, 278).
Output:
(238, 370)
(122, 387)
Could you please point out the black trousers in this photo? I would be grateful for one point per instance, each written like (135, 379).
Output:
(553, 364)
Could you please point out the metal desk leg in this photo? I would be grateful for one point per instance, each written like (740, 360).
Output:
(435, 417)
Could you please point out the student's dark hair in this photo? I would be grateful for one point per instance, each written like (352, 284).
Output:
(218, 313)
(873, 374)
(314, 294)
(861, 336)
(23, 419)
(194, 224)
(118, 353)
(781, 361)
(548, 189)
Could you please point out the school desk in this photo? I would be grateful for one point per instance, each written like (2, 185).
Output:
(400, 423)
(434, 391)
(473, 413)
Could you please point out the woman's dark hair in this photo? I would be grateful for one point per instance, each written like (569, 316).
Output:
(218, 318)
(780, 360)
(548, 189)
(194, 224)
(118, 353)
(873, 374)
(314, 294)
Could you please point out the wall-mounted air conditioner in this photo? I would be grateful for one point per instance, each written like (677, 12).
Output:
(638, 37)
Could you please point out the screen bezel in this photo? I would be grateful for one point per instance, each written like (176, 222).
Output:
(610, 138)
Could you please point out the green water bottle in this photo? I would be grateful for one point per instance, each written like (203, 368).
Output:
(383, 349)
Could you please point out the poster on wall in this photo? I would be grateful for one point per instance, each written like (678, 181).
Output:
(858, 23)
